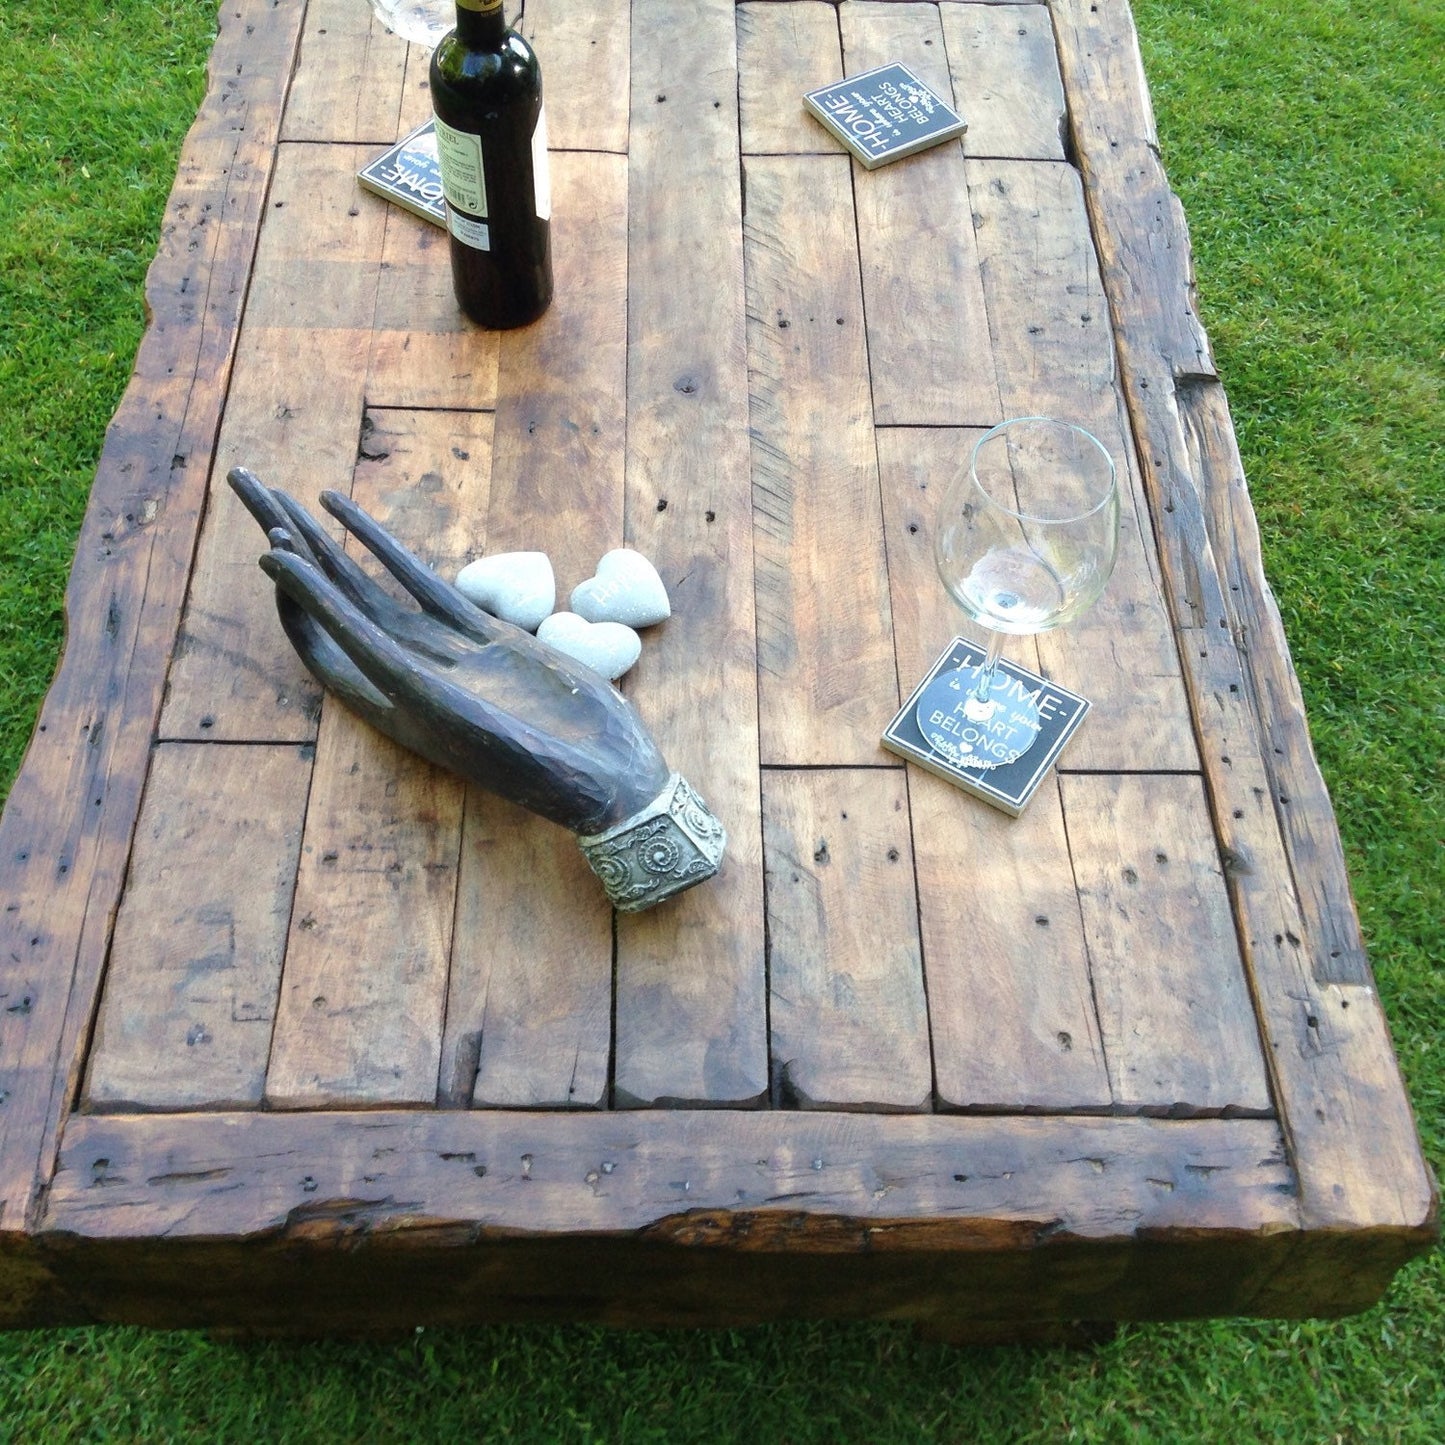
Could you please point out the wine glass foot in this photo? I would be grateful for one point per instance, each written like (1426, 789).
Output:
(973, 732)
(979, 709)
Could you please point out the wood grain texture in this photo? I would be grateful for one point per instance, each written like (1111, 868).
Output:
(348, 83)
(558, 454)
(195, 964)
(68, 820)
(1345, 1109)
(827, 682)
(424, 352)
(691, 1011)
(529, 1009)
(415, 91)
(363, 995)
(929, 352)
(1054, 352)
(584, 52)
(1048, 314)
(958, 1178)
(295, 420)
(450, 1218)
(1174, 900)
(1006, 79)
(849, 1021)
(359, 1017)
(1174, 1006)
(783, 52)
(1010, 994)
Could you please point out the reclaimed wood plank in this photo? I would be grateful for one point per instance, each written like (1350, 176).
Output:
(1334, 1074)
(849, 1021)
(1048, 314)
(909, 31)
(424, 352)
(691, 992)
(584, 52)
(70, 814)
(195, 964)
(427, 476)
(349, 77)
(359, 1016)
(1010, 993)
(562, 388)
(1054, 351)
(1174, 1006)
(1006, 79)
(929, 352)
(783, 51)
(529, 1011)
(824, 645)
(294, 419)
(1303, 810)
(1011, 1004)
(628, 1219)
(363, 994)
(949, 1177)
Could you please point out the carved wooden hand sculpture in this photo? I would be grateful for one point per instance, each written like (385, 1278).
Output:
(484, 699)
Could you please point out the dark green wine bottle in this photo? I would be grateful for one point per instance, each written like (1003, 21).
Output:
(486, 89)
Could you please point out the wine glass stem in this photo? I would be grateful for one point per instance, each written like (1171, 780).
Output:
(988, 666)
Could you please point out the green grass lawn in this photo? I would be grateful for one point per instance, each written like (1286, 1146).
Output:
(1306, 141)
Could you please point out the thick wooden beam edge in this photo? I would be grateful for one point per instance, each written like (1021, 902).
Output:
(961, 1181)
(274, 1220)
(1345, 1109)
(67, 825)
(30, 1295)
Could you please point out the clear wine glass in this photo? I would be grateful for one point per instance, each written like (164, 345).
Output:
(423, 22)
(1027, 537)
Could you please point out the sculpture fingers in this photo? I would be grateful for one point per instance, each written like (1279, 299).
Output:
(436, 596)
(382, 660)
(331, 557)
(263, 504)
(436, 716)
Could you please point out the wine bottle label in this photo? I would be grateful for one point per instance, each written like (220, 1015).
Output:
(541, 168)
(460, 154)
(483, 7)
(476, 234)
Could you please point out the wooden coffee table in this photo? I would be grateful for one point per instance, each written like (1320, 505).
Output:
(299, 1033)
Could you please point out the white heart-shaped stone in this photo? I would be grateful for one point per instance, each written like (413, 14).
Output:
(517, 586)
(625, 589)
(606, 647)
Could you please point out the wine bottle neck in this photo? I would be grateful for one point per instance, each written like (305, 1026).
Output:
(480, 23)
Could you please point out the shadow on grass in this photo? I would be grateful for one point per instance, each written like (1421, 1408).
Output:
(1374, 1377)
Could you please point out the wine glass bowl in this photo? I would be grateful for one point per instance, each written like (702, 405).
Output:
(1028, 532)
(423, 22)
(1026, 541)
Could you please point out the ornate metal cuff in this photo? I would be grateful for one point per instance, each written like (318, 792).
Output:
(666, 847)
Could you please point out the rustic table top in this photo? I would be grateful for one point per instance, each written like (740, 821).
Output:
(300, 1031)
